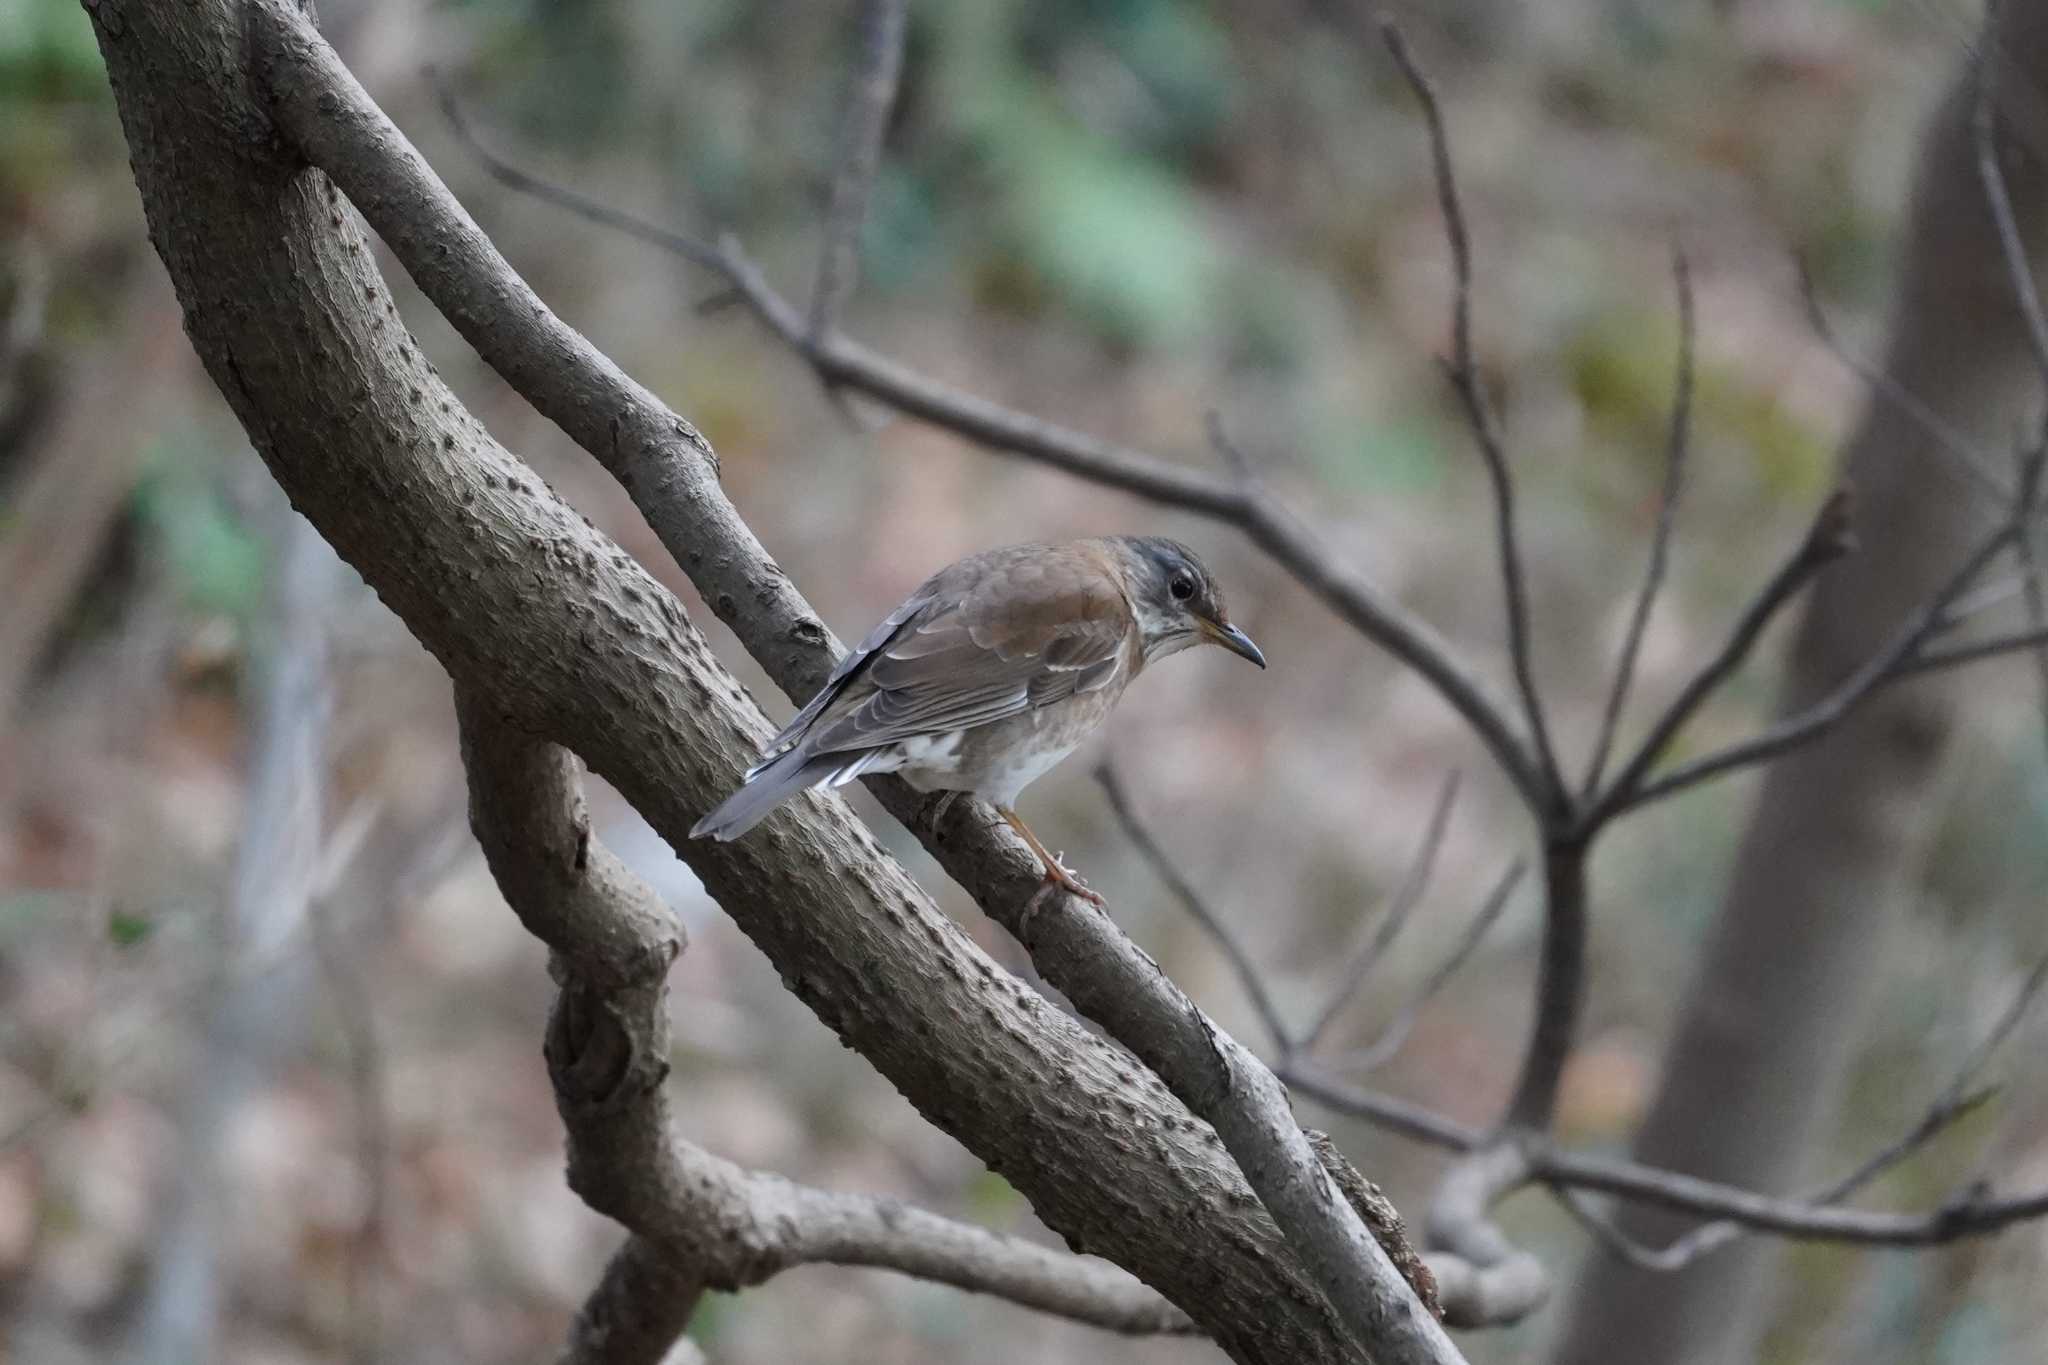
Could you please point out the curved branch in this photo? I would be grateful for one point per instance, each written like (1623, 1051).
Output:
(612, 941)
(572, 641)
(327, 115)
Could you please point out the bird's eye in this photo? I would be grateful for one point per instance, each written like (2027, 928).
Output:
(1182, 587)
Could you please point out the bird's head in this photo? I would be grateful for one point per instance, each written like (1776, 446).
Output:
(1178, 604)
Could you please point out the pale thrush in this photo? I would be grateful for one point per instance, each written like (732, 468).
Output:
(991, 673)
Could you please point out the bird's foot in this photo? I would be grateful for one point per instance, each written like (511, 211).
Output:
(1058, 874)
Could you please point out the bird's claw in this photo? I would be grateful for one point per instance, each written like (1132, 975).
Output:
(1060, 875)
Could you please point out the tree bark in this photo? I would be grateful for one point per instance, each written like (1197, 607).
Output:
(1772, 1020)
(570, 640)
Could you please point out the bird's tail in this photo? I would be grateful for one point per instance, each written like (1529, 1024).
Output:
(768, 785)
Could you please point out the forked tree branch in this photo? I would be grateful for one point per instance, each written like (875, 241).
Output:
(845, 363)
(672, 476)
(1462, 369)
(1080, 951)
(573, 643)
(697, 1220)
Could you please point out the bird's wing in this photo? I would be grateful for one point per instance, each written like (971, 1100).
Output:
(847, 669)
(1008, 643)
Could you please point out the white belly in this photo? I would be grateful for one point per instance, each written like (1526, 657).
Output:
(1002, 782)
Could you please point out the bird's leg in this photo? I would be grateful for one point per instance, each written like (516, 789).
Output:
(936, 808)
(1056, 872)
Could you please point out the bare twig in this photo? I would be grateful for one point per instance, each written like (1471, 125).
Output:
(1827, 539)
(1903, 657)
(1999, 199)
(549, 192)
(1971, 651)
(1956, 1100)
(1391, 1112)
(1270, 525)
(1168, 871)
(1391, 1038)
(869, 101)
(1462, 369)
(1413, 884)
(1690, 1246)
(1964, 455)
(1234, 458)
(1676, 445)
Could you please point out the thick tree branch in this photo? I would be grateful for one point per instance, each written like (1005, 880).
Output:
(1483, 1278)
(1083, 954)
(638, 1310)
(572, 641)
(607, 1048)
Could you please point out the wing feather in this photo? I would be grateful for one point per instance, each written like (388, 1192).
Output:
(1002, 647)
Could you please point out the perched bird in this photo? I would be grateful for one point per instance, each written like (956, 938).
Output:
(991, 673)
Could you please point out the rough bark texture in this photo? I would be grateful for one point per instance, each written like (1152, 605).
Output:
(1773, 1016)
(565, 637)
(672, 476)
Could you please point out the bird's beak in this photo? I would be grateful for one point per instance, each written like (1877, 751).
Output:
(1234, 640)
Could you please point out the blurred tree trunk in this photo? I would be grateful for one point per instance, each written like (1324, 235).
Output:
(1771, 1024)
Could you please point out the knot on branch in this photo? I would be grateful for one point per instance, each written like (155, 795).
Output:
(605, 1049)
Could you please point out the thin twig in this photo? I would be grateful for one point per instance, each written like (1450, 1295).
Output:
(1234, 458)
(1391, 1038)
(1413, 883)
(1965, 456)
(1999, 199)
(860, 155)
(547, 191)
(1274, 528)
(1168, 871)
(1391, 1112)
(1462, 369)
(1956, 1101)
(1903, 657)
(1676, 446)
(1827, 539)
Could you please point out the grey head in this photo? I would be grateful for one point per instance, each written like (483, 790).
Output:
(1177, 600)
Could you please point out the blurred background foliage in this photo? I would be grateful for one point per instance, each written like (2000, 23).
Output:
(1120, 215)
